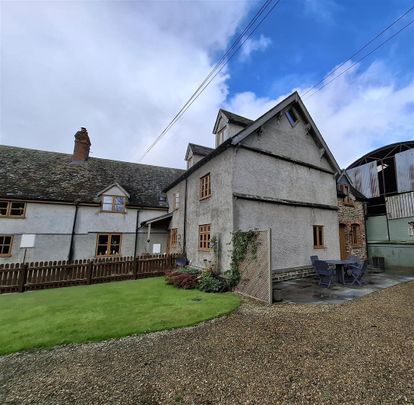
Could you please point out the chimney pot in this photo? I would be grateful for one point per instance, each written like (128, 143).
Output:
(82, 146)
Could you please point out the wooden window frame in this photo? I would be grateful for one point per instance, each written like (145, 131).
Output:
(355, 235)
(9, 208)
(176, 196)
(108, 244)
(318, 244)
(173, 238)
(9, 254)
(204, 237)
(113, 211)
(205, 186)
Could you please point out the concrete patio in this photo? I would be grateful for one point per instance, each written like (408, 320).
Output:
(307, 291)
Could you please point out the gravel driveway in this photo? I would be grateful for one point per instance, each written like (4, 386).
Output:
(361, 352)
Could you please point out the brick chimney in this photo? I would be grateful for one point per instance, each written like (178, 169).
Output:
(82, 146)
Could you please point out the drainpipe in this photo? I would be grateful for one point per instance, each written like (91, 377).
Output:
(75, 216)
(185, 221)
(136, 234)
(148, 238)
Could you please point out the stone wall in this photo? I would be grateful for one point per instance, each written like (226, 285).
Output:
(353, 214)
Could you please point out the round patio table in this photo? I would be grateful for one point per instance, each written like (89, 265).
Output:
(340, 268)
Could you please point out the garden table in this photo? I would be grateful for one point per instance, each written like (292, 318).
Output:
(340, 268)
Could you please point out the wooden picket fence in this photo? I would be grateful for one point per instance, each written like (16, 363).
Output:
(18, 277)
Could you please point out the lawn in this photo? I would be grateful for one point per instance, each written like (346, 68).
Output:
(89, 313)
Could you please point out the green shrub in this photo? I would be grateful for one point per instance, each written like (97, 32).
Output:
(190, 270)
(210, 282)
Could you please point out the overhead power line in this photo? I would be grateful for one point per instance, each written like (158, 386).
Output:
(266, 9)
(359, 51)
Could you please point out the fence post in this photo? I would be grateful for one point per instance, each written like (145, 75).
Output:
(23, 277)
(89, 273)
(135, 270)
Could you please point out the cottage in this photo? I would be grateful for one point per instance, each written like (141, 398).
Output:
(275, 172)
(76, 207)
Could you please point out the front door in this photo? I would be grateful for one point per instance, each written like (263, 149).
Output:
(342, 241)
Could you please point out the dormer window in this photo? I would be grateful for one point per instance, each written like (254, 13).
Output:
(292, 117)
(114, 199)
(113, 203)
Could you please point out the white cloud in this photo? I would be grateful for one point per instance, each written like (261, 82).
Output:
(251, 45)
(121, 69)
(358, 112)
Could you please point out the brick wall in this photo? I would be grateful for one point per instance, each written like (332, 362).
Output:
(349, 215)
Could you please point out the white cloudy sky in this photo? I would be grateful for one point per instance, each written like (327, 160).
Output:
(123, 69)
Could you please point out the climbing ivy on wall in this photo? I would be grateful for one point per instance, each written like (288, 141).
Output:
(243, 243)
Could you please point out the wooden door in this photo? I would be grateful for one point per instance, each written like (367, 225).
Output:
(342, 241)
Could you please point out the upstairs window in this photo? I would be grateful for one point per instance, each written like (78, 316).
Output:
(12, 209)
(355, 235)
(173, 238)
(108, 244)
(292, 116)
(318, 237)
(176, 202)
(205, 187)
(6, 242)
(113, 203)
(204, 237)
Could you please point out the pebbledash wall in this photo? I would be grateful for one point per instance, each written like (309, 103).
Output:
(52, 223)
(238, 170)
(347, 216)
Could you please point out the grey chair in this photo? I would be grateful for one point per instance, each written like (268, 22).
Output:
(326, 275)
(357, 272)
(313, 259)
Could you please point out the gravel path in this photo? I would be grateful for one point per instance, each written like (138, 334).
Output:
(361, 352)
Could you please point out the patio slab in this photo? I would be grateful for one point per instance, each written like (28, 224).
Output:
(307, 290)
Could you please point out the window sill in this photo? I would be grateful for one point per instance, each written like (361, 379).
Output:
(204, 250)
(8, 255)
(205, 198)
(319, 247)
(105, 256)
(112, 212)
(12, 217)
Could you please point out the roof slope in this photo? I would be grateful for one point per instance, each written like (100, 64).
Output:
(254, 126)
(236, 119)
(40, 175)
(199, 149)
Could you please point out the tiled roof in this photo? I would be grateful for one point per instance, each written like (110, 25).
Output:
(50, 176)
(237, 119)
(200, 150)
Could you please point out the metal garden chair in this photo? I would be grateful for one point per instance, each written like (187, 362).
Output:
(313, 258)
(357, 272)
(326, 275)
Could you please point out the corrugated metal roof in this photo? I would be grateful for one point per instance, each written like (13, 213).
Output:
(365, 179)
(404, 163)
(400, 206)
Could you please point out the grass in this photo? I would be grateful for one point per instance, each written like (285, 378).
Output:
(89, 313)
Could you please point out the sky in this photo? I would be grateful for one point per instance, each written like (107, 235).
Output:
(123, 69)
